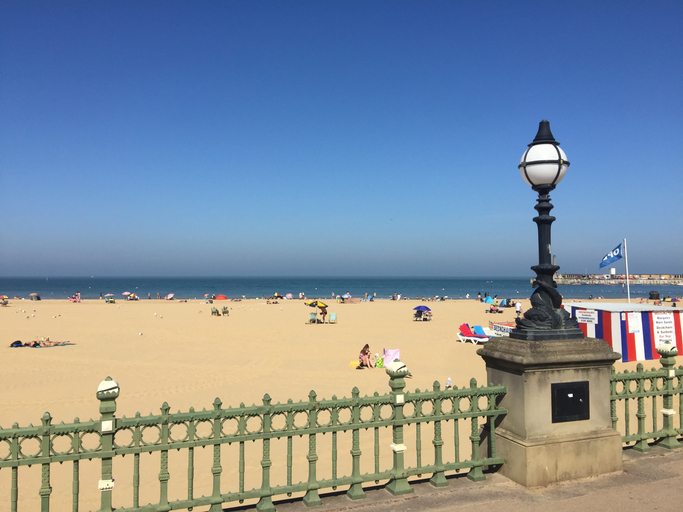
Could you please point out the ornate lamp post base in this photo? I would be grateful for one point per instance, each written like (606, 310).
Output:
(546, 334)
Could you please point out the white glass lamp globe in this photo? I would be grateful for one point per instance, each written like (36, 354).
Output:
(544, 163)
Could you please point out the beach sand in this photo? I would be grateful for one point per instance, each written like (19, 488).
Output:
(177, 352)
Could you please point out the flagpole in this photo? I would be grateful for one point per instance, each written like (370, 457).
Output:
(628, 286)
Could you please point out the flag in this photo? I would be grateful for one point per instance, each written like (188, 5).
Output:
(613, 255)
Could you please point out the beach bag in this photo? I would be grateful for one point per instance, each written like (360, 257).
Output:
(354, 364)
(16, 344)
(391, 354)
(379, 363)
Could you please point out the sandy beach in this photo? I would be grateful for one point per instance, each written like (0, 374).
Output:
(177, 352)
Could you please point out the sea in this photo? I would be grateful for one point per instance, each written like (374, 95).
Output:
(311, 287)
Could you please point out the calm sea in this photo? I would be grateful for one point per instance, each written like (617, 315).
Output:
(312, 287)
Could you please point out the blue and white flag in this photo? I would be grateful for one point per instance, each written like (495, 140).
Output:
(613, 255)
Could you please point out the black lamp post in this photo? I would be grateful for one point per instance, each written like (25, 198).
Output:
(543, 166)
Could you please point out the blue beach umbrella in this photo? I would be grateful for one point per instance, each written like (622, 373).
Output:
(421, 308)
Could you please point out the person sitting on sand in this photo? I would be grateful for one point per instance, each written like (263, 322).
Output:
(365, 358)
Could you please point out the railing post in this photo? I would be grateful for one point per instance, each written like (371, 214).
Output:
(265, 503)
(668, 352)
(14, 452)
(356, 491)
(399, 481)
(643, 437)
(312, 497)
(164, 475)
(475, 474)
(107, 393)
(439, 477)
(45, 488)
(216, 469)
(613, 397)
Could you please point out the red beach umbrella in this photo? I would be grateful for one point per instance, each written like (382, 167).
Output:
(221, 297)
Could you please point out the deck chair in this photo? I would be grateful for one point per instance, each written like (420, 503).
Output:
(214, 312)
(333, 318)
(466, 335)
(313, 318)
(225, 311)
(478, 330)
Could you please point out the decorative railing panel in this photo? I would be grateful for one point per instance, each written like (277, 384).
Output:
(647, 404)
(254, 454)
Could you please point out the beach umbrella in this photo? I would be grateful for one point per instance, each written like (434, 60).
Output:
(289, 296)
(421, 308)
(221, 297)
(4, 297)
(32, 294)
(346, 296)
(125, 293)
(109, 295)
(315, 304)
(169, 296)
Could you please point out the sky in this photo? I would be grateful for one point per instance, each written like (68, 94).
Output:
(336, 138)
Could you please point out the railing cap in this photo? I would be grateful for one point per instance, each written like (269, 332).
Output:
(667, 349)
(108, 389)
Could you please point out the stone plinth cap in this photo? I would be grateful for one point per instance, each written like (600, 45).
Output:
(520, 354)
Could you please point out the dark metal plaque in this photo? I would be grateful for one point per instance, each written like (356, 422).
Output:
(570, 401)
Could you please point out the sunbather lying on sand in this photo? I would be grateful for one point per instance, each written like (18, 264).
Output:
(40, 343)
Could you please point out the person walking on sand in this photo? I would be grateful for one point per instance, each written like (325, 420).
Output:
(364, 358)
(323, 313)
(518, 308)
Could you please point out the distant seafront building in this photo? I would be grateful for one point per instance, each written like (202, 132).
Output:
(654, 279)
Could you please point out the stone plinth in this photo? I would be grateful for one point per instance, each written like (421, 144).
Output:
(538, 451)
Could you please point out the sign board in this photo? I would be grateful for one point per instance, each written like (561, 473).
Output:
(664, 329)
(502, 329)
(587, 316)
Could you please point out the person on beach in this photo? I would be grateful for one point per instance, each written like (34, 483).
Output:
(518, 308)
(43, 343)
(323, 313)
(365, 359)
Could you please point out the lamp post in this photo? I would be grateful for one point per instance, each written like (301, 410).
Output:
(558, 425)
(543, 166)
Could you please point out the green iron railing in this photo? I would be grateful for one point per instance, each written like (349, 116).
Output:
(161, 434)
(654, 389)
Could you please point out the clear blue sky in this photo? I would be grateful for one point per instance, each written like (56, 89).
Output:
(335, 138)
